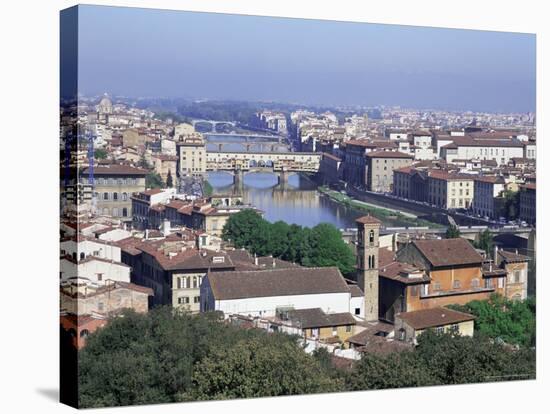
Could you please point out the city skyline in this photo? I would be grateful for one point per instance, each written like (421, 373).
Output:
(403, 65)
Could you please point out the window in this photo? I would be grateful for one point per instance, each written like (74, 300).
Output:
(105, 196)
(475, 283)
(401, 334)
(82, 255)
(358, 311)
(197, 299)
(334, 331)
(437, 286)
(124, 212)
(348, 328)
(100, 306)
(454, 328)
(99, 277)
(115, 196)
(84, 333)
(517, 276)
(371, 236)
(489, 283)
(456, 284)
(124, 196)
(500, 282)
(439, 330)
(414, 290)
(183, 300)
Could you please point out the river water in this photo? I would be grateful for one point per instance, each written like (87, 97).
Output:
(297, 202)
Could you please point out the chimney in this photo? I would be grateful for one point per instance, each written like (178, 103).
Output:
(166, 228)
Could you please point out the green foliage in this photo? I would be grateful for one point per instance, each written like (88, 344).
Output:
(100, 154)
(153, 180)
(167, 356)
(258, 368)
(169, 180)
(485, 241)
(390, 371)
(511, 204)
(514, 322)
(320, 246)
(454, 359)
(207, 189)
(328, 249)
(453, 232)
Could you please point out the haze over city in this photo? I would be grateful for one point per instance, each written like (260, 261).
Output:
(142, 52)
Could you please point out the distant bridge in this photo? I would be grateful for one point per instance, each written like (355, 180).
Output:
(248, 146)
(213, 124)
(281, 164)
(244, 137)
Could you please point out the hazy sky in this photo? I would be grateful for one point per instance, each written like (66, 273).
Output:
(140, 52)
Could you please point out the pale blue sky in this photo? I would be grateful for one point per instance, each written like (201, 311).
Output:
(142, 52)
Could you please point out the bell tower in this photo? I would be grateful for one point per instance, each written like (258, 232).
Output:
(368, 230)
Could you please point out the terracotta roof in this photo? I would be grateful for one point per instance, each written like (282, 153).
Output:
(277, 282)
(109, 288)
(397, 271)
(431, 318)
(116, 169)
(448, 252)
(333, 157)
(511, 257)
(388, 154)
(368, 219)
(316, 318)
(470, 141)
(355, 291)
(447, 175)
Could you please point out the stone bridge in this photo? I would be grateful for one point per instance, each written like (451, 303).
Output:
(281, 164)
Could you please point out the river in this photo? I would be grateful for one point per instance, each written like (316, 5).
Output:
(299, 202)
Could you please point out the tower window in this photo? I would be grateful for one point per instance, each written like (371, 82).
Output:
(371, 236)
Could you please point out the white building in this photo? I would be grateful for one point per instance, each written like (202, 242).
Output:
(499, 150)
(263, 292)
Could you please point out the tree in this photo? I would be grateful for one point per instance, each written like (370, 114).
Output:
(168, 355)
(396, 370)
(455, 359)
(453, 232)
(153, 180)
(512, 321)
(511, 204)
(257, 368)
(247, 229)
(321, 246)
(100, 154)
(485, 241)
(169, 182)
(329, 249)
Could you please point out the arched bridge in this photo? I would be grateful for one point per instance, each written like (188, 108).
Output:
(275, 161)
(213, 124)
(280, 163)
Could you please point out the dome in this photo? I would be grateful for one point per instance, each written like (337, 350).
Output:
(105, 105)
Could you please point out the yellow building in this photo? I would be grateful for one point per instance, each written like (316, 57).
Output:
(408, 325)
(191, 151)
(316, 324)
